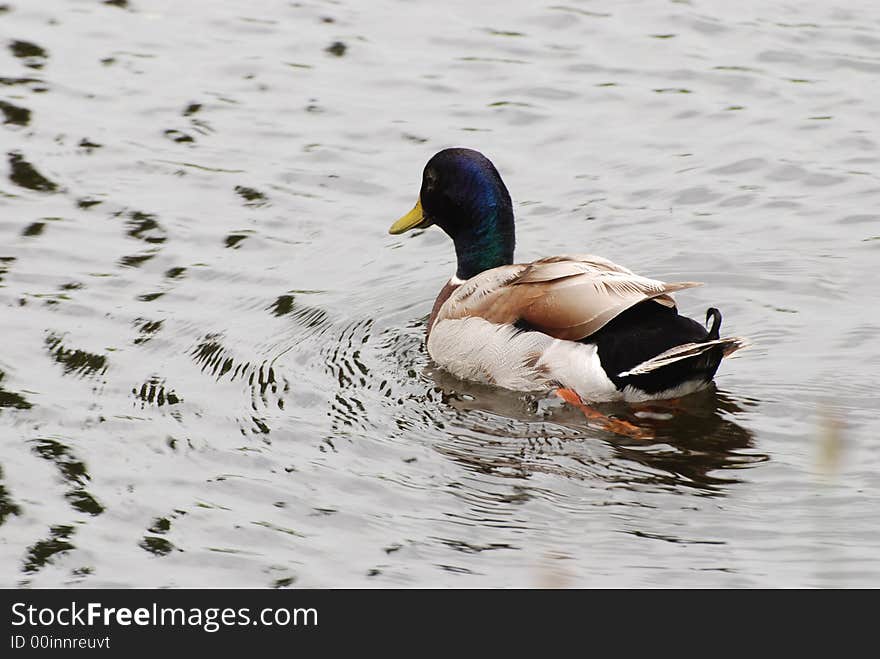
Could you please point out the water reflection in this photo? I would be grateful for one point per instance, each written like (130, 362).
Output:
(12, 398)
(24, 174)
(32, 55)
(695, 442)
(73, 472)
(75, 361)
(7, 505)
(41, 552)
(14, 114)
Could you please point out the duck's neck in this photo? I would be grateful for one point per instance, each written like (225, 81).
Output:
(486, 243)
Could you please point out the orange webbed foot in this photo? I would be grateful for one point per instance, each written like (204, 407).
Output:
(617, 426)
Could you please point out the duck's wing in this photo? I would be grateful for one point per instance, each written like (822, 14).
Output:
(567, 297)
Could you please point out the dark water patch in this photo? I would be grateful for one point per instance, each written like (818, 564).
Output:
(84, 502)
(696, 443)
(33, 229)
(144, 226)
(175, 273)
(262, 382)
(282, 305)
(51, 299)
(469, 548)
(157, 546)
(210, 355)
(33, 55)
(259, 427)
(280, 529)
(673, 539)
(738, 69)
(253, 198)
(75, 361)
(7, 505)
(155, 392)
(146, 329)
(497, 60)
(312, 318)
(233, 239)
(35, 84)
(501, 104)
(201, 168)
(11, 398)
(85, 203)
(178, 136)
(137, 260)
(88, 146)
(4, 265)
(260, 376)
(455, 569)
(149, 297)
(342, 357)
(81, 572)
(25, 175)
(344, 362)
(337, 48)
(73, 471)
(503, 33)
(200, 126)
(41, 553)
(15, 115)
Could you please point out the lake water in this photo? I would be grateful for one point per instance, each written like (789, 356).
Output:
(213, 371)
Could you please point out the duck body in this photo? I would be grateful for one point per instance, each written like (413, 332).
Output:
(577, 322)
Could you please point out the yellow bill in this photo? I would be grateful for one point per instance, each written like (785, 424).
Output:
(409, 221)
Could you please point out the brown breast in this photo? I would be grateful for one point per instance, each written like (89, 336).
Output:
(445, 292)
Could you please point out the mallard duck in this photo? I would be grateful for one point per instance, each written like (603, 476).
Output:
(578, 324)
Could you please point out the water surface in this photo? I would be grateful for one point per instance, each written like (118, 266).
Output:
(212, 370)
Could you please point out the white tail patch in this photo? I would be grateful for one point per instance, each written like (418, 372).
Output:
(730, 345)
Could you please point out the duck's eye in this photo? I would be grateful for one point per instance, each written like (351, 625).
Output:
(430, 179)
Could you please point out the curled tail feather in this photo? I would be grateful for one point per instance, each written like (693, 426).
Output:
(728, 345)
(715, 315)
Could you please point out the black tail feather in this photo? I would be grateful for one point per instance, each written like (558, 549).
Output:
(647, 331)
(715, 327)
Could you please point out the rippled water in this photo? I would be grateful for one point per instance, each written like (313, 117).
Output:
(212, 370)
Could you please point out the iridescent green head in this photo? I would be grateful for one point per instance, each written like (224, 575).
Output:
(464, 195)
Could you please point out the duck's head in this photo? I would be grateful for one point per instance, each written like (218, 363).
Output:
(464, 195)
